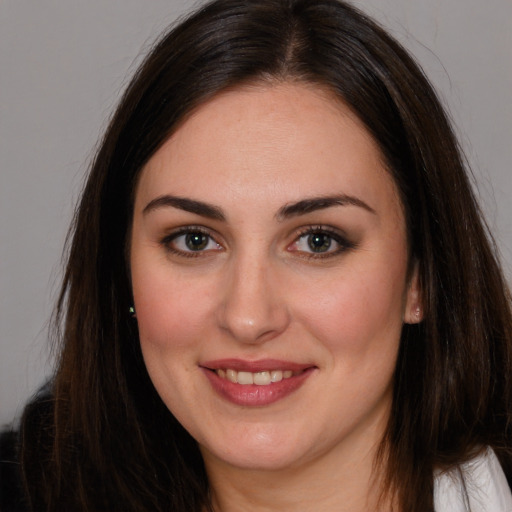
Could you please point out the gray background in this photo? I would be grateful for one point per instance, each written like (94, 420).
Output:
(63, 64)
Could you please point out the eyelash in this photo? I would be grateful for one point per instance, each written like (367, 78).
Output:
(343, 243)
(186, 230)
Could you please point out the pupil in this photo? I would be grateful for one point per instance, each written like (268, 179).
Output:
(319, 242)
(196, 241)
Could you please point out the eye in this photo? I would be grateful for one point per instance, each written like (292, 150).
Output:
(194, 241)
(190, 242)
(320, 242)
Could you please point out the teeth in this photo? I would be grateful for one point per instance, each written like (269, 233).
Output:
(259, 378)
(245, 378)
(262, 378)
(276, 375)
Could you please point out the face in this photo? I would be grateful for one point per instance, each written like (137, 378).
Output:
(269, 265)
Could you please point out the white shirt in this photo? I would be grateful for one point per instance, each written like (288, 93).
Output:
(477, 486)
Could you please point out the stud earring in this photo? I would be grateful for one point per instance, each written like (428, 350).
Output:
(131, 310)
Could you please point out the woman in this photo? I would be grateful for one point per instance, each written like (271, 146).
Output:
(318, 320)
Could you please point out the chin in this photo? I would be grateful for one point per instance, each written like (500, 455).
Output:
(261, 451)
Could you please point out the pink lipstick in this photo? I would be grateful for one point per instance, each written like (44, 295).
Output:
(255, 383)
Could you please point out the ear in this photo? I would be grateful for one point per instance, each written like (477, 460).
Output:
(414, 309)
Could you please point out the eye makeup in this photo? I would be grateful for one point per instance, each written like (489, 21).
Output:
(310, 242)
(319, 242)
(190, 242)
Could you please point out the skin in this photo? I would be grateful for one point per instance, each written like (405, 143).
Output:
(258, 291)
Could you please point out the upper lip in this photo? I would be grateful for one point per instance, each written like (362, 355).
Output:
(242, 365)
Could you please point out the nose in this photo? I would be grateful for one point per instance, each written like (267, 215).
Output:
(253, 308)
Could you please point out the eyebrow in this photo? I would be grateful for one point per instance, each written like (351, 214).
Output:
(188, 205)
(302, 207)
(320, 203)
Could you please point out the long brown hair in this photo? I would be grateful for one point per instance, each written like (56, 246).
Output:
(104, 440)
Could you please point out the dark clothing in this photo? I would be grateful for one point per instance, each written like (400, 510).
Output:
(12, 495)
(34, 432)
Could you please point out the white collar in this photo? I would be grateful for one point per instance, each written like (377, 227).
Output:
(479, 485)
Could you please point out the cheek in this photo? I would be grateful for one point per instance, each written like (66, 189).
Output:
(357, 310)
(171, 323)
(170, 312)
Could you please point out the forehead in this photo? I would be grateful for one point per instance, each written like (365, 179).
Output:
(269, 143)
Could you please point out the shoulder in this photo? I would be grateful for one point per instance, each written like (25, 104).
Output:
(21, 445)
(11, 486)
(478, 485)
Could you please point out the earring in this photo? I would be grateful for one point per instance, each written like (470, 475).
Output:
(131, 310)
(417, 313)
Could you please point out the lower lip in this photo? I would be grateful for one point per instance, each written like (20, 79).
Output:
(253, 395)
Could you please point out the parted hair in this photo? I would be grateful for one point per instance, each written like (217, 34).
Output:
(103, 439)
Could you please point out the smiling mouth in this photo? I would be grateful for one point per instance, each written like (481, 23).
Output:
(256, 383)
(262, 378)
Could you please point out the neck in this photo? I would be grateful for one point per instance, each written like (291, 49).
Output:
(335, 482)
